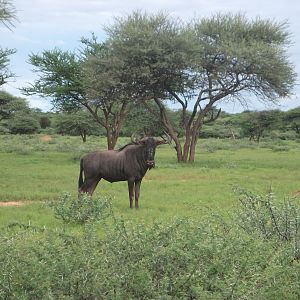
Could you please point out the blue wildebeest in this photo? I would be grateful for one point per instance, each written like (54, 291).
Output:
(130, 163)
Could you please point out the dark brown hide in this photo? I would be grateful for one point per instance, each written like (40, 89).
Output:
(130, 163)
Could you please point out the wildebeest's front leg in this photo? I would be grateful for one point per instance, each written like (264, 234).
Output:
(137, 192)
(130, 191)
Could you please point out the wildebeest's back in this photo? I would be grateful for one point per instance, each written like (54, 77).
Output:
(104, 164)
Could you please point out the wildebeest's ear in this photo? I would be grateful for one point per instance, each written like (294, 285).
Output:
(141, 142)
(160, 142)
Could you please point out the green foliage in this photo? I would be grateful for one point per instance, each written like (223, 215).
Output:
(292, 118)
(87, 79)
(7, 18)
(5, 73)
(254, 50)
(9, 105)
(81, 209)
(45, 122)
(270, 218)
(255, 124)
(154, 57)
(141, 121)
(181, 259)
(16, 116)
(23, 124)
(60, 74)
(7, 13)
(79, 123)
(174, 247)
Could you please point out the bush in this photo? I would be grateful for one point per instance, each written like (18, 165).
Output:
(183, 259)
(271, 218)
(23, 124)
(81, 209)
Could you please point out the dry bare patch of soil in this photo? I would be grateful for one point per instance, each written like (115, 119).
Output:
(12, 203)
(46, 138)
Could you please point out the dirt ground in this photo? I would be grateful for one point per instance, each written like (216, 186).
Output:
(12, 203)
(46, 138)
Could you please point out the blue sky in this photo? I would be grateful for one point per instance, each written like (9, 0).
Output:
(46, 24)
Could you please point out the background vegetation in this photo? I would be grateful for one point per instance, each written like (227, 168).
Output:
(224, 227)
(190, 239)
(17, 117)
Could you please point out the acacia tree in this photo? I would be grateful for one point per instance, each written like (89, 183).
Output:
(7, 13)
(71, 81)
(7, 18)
(79, 123)
(9, 105)
(254, 124)
(292, 118)
(104, 79)
(226, 57)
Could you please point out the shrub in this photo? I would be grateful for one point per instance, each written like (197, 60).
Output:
(182, 259)
(81, 209)
(271, 218)
(23, 124)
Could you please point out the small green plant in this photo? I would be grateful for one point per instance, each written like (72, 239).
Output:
(81, 209)
(270, 217)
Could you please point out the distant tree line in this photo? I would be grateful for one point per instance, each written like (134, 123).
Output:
(16, 117)
(149, 61)
(255, 125)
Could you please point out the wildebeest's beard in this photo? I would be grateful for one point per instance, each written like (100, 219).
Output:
(150, 153)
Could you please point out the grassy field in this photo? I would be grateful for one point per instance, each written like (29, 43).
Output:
(35, 170)
(191, 238)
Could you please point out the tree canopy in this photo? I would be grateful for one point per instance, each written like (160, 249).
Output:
(9, 105)
(89, 79)
(7, 13)
(157, 59)
(225, 57)
(7, 18)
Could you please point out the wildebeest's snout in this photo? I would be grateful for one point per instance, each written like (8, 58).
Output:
(151, 163)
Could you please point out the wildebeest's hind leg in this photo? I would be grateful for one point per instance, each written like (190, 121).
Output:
(137, 192)
(89, 185)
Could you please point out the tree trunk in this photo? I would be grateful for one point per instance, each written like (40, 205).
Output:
(187, 145)
(83, 136)
(112, 122)
(171, 131)
(110, 139)
(193, 147)
(178, 149)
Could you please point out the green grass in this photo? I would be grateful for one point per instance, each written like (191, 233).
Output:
(36, 172)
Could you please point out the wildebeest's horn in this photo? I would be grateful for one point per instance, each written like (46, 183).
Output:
(166, 139)
(134, 138)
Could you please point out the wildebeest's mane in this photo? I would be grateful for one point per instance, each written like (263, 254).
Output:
(123, 147)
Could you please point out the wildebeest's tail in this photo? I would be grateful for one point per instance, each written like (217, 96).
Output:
(80, 179)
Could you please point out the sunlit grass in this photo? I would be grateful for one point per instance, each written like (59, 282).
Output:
(170, 190)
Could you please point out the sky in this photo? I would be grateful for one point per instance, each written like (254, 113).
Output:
(46, 24)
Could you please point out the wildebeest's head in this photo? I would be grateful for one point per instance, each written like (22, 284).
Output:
(150, 144)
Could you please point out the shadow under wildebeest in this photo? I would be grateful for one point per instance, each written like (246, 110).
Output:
(129, 163)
